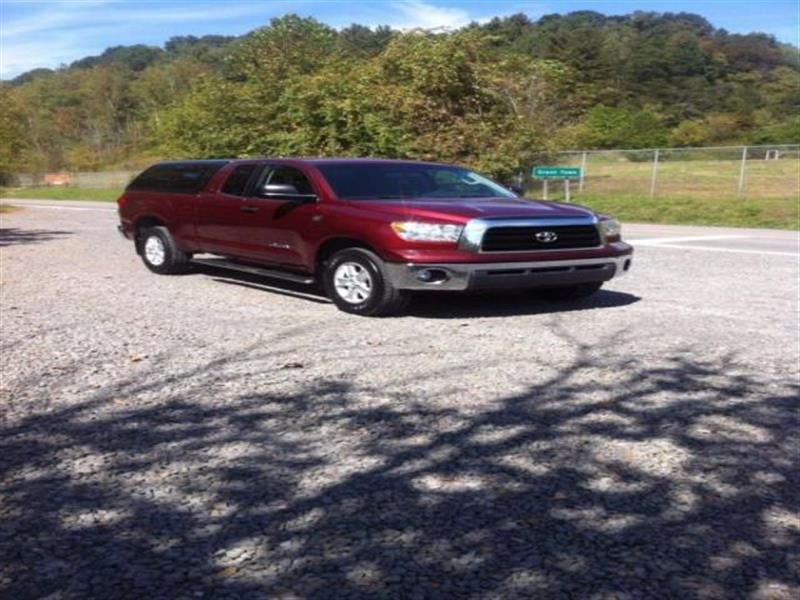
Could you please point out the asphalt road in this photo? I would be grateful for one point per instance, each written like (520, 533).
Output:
(212, 434)
(759, 241)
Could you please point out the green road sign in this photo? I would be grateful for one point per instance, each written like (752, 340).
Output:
(556, 172)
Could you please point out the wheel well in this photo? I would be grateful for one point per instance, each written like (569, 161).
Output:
(331, 247)
(145, 222)
(142, 224)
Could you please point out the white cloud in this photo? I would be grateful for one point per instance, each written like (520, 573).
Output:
(48, 34)
(416, 13)
(428, 14)
(55, 32)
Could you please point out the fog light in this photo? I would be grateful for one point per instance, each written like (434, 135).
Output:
(627, 265)
(432, 276)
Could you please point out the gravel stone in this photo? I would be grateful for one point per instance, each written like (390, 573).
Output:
(215, 435)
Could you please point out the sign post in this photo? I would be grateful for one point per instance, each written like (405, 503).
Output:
(558, 174)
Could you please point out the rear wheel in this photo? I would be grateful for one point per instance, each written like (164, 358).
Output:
(569, 293)
(355, 279)
(159, 252)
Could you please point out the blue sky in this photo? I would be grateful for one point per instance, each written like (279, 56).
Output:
(50, 33)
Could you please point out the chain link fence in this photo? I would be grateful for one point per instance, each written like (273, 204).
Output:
(756, 172)
(76, 179)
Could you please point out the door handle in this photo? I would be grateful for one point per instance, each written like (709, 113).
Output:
(249, 209)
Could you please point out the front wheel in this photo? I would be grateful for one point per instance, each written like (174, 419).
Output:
(571, 292)
(356, 282)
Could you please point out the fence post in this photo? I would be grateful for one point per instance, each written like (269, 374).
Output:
(653, 175)
(740, 191)
(583, 171)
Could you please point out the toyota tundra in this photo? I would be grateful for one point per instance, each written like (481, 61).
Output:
(368, 231)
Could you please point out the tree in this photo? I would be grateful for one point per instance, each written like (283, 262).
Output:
(362, 41)
(494, 95)
(609, 127)
(14, 143)
(690, 133)
(136, 58)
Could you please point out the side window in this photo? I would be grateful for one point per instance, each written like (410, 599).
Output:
(290, 176)
(177, 178)
(236, 182)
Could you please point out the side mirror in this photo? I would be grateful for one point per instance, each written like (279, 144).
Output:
(516, 188)
(285, 191)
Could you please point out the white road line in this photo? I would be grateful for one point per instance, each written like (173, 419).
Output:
(732, 250)
(695, 238)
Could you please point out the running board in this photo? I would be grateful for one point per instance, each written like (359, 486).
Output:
(222, 263)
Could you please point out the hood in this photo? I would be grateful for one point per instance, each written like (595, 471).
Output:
(464, 209)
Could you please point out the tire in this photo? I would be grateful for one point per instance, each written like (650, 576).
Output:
(159, 252)
(570, 293)
(355, 280)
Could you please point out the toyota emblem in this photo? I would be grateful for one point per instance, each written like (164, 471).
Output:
(546, 237)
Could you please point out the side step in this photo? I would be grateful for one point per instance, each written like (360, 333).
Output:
(224, 263)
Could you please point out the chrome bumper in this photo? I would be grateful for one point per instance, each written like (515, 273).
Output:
(512, 275)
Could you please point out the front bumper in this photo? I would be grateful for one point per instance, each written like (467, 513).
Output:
(124, 232)
(511, 275)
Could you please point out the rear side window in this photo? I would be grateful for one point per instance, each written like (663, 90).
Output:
(236, 183)
(176, 178)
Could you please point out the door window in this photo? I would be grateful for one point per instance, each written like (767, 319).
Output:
(236, 183)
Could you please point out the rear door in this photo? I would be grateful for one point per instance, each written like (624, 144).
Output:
(222, 214)
(277, 229)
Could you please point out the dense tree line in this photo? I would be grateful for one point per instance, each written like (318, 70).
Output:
(495, 95)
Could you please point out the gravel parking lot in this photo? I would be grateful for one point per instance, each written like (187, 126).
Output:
(223, 436)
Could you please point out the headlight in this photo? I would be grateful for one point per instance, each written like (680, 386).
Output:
(413, 231)
(611, 229)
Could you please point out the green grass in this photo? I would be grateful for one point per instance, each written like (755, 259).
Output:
(696, 192)
(63, 193)
(732, 212)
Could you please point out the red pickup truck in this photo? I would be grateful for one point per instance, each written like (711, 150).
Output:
(369, 231)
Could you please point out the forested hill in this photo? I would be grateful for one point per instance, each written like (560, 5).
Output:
(493, 95)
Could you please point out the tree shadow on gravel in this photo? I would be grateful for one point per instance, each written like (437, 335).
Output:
(674, 480)
(10, 236)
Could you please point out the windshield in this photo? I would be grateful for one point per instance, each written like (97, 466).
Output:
(406, 181)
